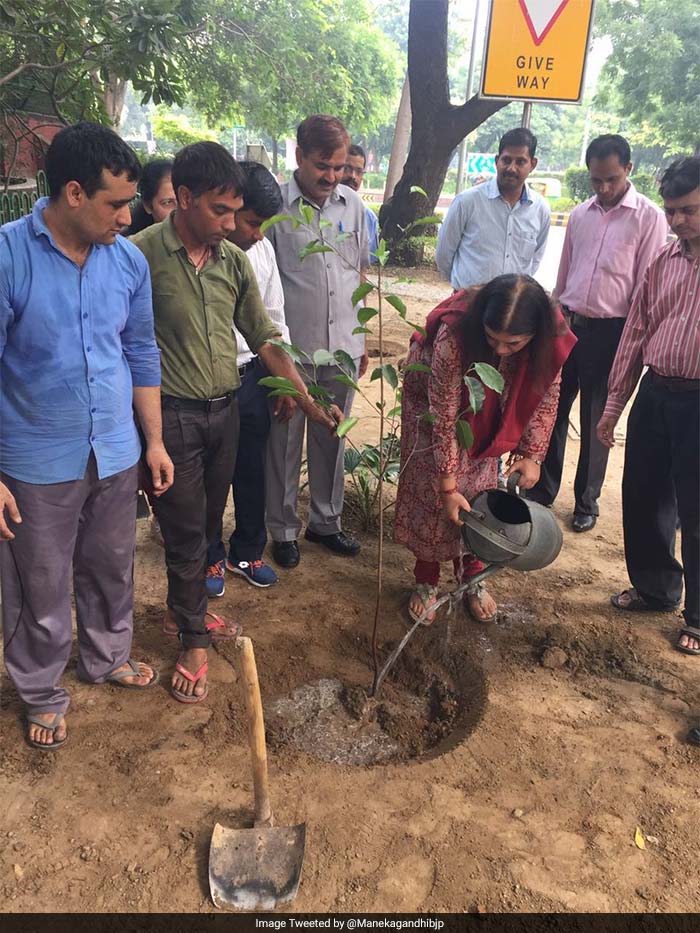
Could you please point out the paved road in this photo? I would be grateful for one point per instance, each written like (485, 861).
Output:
(547, 272)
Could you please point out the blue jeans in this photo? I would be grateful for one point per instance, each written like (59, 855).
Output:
(249, 537)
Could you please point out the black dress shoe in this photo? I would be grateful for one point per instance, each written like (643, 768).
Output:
(286, 553)
(584, 522)
(694, 736)
(339, 542)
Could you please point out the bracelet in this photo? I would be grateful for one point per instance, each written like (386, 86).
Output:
(448, 492)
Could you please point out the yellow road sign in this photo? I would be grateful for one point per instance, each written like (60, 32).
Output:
(536, 49)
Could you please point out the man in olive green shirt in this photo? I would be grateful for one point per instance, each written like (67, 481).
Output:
(201, 285)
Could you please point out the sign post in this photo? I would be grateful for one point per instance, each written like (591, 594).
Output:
(536, 50)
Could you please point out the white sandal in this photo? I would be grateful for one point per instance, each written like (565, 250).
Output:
(428, 595)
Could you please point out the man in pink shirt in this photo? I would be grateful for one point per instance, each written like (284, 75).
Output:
(610, 240)
(662, 452)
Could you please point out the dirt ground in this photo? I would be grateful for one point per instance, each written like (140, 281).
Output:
(531, 805)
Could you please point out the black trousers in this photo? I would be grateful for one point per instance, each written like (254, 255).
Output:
(202, 446)
(250, 536)
(586, 371)
(661, 480)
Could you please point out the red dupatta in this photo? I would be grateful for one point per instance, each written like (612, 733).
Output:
(498, 432)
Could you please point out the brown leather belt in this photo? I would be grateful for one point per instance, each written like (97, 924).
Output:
(675, 383)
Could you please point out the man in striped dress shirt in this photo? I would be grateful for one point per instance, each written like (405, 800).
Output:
(662, 452)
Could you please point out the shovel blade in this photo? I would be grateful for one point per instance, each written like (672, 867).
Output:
(255, 869)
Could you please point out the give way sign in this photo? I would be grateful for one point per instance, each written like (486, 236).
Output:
(536, 49)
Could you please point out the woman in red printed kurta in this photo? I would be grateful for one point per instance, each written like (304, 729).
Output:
(511, 324)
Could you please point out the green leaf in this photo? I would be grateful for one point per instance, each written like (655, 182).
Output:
(296, 223)
(307, 212)
(60, 50)
(294, 352)
(317, 391)
(279, 382)
(404, 281)
(346, 426)
(314, 247)
(343, 358)
(351, 459)
(361, 292)
(394, 412)
(391, 375)
(491, 377)
(477, 393)
(275, 219)
(325, 223)
(387, 372)
(382, 253)
(361, 330)
(366, 314)
(417, 368)
(424, 222)
(416, 189)
(428, 417)
(396, 302)
(465, 436)
(418, 327)
(347, 381)
(323, 358)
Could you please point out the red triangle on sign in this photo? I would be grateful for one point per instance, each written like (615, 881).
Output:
(541, 15)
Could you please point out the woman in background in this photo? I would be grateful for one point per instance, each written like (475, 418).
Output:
(157, 196)
(511, 324)
(157, 202)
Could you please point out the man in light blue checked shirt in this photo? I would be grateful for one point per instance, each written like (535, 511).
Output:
(500, 226)
(77, 356)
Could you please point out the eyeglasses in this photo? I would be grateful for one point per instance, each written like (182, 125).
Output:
(353, 170)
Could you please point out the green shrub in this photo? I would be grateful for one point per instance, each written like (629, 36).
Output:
(560, 205)
(578, 183)
(375, 179)
(646, 184)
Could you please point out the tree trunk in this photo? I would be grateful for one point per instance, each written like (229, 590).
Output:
(275, 156)
(114, 94)
(437, 125)
(399, 147)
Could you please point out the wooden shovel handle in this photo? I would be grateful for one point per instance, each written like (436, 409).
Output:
(256, 730)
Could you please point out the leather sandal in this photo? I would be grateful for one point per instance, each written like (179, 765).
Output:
(630, 601)
(690, 632)
(478, 591)
(427, 595)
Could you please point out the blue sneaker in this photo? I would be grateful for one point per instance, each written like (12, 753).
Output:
(215, 581)
(256, 572)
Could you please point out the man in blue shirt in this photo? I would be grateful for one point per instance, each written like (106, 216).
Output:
(352, 177)
(500, 226)
(77, 351)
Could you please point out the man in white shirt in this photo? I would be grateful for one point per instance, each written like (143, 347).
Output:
(261, 200)
(500, 226)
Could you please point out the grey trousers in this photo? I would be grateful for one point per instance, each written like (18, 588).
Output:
(89, 526)
(324, 453)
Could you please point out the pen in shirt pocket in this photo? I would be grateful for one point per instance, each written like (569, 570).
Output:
(340, 226)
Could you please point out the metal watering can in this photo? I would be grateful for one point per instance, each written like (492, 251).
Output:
(504, 528)
(501, 529)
